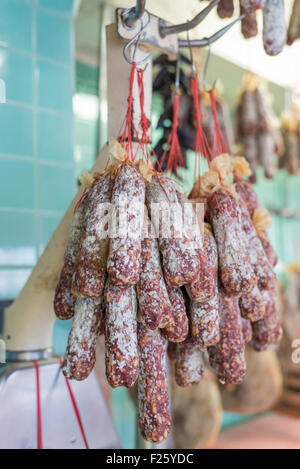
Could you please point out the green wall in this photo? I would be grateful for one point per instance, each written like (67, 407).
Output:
(36, 131)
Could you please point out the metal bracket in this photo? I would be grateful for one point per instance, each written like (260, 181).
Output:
(152, 38)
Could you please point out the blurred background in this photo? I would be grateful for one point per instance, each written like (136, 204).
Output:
(53, 123)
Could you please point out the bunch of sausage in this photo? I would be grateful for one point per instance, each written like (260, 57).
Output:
(290, 128)
(205, 295)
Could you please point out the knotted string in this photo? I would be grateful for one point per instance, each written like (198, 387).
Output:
(173, 150)
(219, 141)
(145, 143)
(144, 122)
(39, 407)
(202, 147)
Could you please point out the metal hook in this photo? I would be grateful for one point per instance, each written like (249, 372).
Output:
(191, 55)
(209, 40)
(179, 28)
(205, 68)
(136, 40)
(131, 15)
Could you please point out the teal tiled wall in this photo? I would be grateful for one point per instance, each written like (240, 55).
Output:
(37, 166)
(86, 130)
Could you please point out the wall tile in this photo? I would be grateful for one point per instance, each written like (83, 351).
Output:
(55, 137)
(55, 87)
(16, 184)
(12, 282)
(16, 25)
(56, 187)
(17, 73)
(22, 234)
(86, 132)
(16, 130)
(54, 37)
(292, 191)
(61, 6)
(17, 239)
(47, 226)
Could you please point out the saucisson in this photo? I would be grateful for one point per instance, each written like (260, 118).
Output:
(81, 350)
(237, 274)
(204, 286)
(90, 274)
(294, 25)
(249, 115)
(266, 154)
(252, 306)
(291, 157)
(252, 5)
(248, 24)
(228, 356)
(123, 263)
(268, 330)
(269, 250)
(64, 300)
(178, 327)
(247, 330)
(260, 264)
(248, 194)
(121, 354)
(204, 317)
(274, 27)
(189, 367)
(154, 303)
(179, 254)
(225, 8)
(153, 395)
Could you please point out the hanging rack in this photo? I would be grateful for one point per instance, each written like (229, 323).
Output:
(136, 40)
(188, 25)
(206, 41)
(158, 35)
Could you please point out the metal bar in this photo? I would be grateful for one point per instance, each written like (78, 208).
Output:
(133, 14)
(191, 56)
(177, 75)
(179, 28)
(206, 41)
(285, 212)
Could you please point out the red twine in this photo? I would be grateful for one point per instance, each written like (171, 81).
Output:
(127, 127)
(144, 122)
(39, 408)
(76, 410)
(144, 142)
(219, 141)
(202, 147)
(175, 158)
(80, 200)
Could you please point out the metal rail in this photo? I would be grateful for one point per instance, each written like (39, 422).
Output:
(206, 41)
(162, 35)
(131, 15)
(179, 28)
